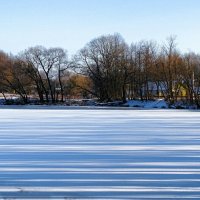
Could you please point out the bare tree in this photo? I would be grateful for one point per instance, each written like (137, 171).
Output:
(44, 66)
(191, 73)
(14, 79)
(104, 61)
(169, 62)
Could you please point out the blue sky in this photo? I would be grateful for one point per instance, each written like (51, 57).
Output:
(70, 24)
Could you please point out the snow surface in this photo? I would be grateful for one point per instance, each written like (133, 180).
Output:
(99, 154)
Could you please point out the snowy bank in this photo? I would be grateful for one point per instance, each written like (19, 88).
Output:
(160, 103)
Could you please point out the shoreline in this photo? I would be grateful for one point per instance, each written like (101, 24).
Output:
(62, 107)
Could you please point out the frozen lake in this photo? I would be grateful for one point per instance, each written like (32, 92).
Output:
(99, 154)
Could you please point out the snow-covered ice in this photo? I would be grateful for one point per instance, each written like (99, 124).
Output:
(99, 154)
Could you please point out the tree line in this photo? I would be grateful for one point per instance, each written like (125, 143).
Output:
(107, 68)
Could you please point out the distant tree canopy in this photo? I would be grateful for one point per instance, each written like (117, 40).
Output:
(107, 68)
